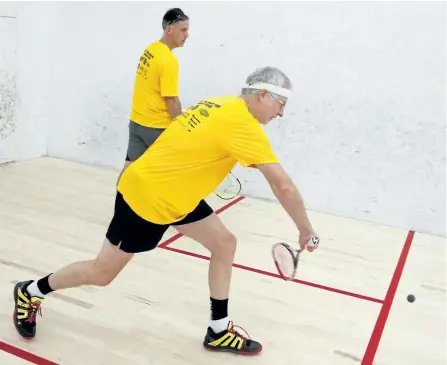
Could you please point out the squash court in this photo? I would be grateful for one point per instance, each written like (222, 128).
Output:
(348, 306)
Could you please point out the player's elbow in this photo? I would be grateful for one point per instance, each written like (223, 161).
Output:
(173, 105)
(171, 100)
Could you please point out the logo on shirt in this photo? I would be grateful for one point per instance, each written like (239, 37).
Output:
(204, 113)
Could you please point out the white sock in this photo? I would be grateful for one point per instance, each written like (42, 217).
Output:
(219, 325)
(34, 291)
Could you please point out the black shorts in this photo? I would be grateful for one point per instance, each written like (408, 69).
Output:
(134, 234)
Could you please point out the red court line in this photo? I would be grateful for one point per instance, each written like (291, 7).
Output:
(267, 273)
(164, 244)
(376, 335)
(25, 355)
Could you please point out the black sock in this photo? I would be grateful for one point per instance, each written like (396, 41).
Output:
(44, 285)
(219, 308)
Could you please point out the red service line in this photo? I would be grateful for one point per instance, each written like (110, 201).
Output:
(273, 275)
(25, 355)
(166, 243)
(373, 345)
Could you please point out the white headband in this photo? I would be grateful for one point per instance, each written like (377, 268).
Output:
(272, 88)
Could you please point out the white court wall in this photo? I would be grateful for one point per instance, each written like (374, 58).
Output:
(24, 102)
(363, 135)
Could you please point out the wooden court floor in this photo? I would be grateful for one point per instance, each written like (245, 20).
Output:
(348, 305)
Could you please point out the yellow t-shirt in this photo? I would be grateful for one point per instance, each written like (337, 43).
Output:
(192, 157)
(156, 78)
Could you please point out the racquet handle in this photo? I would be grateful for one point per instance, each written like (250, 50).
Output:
(312, 244)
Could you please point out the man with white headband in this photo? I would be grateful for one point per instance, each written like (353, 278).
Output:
(167, 186)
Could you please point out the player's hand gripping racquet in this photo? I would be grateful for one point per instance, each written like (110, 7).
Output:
(229, 188)
(286, 258)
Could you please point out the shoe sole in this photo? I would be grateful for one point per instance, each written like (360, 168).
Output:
(14, 314)
(233, 351)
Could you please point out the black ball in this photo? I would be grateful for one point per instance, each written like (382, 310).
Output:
(411, 298)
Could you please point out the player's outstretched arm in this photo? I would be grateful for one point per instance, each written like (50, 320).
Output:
(290, 198)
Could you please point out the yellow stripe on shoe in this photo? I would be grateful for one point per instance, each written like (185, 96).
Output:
(231, 341)
(25, 310)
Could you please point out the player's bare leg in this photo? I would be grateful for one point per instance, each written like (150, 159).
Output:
(100, 271)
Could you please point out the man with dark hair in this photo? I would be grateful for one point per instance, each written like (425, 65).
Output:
(172, 16)
(156, 94)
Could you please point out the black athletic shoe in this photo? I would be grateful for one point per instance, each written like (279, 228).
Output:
(25, 311)
(230, 341)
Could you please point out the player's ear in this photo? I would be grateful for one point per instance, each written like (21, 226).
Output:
(262, 95)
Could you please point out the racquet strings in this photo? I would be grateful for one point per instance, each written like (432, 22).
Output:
(284, 261)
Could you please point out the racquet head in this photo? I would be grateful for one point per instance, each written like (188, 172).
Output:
(229, 188)
(286, 260)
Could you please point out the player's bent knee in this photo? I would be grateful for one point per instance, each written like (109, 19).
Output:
(104, 280)
(108, 264)
(211, 233)
(224, 245)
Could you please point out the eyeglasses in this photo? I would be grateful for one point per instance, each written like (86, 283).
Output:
(279, 100)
